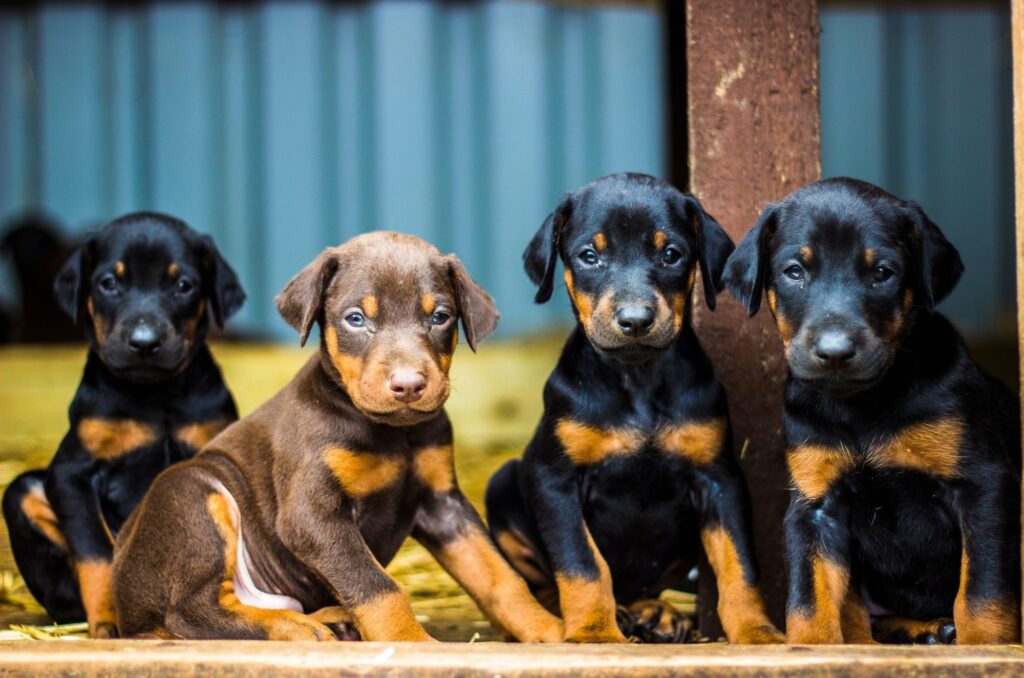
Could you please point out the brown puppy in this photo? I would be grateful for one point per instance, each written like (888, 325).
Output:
(286, 520)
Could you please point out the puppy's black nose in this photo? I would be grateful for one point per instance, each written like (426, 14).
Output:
(634, 320)
(144, 340)
(407, 386)
(834, 349)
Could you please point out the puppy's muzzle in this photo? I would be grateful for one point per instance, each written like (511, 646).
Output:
(407, 385)
(634, 319)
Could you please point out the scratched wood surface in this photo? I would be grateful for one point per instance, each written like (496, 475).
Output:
(226, 658)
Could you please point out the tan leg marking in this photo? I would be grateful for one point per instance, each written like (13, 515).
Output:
(981, 622)
(588, 605)
(821, 624)
(476, 564)
(740, 606)
(95, 585)
(388, 617)
(276, 624)
(37, 509)
(855, 620)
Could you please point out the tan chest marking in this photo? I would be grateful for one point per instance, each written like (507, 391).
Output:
(361, 474)
(198, 433)
(814, 468)
(589, 444)
(434, 466)
(111, 438)
(699, 442)
(931, 447)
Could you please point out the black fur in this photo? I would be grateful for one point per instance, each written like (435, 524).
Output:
(855, 274)
(644, 510)
(119, 283)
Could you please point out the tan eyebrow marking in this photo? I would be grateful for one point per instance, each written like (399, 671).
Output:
(600, 242)
(807, 254)
(369, 305)
(869, 256)
(173, 270)
(659, 239)
(119, 269)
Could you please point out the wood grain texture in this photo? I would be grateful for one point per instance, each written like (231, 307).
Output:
(1017, 30)
(754, 136)
(260, 658)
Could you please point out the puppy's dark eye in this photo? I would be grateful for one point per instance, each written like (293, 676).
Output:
(588, 257)
(184, 286)
(794, 272)
(440, 317)
(671, 255)
(882, 273)
(355, 319)
(108, 284)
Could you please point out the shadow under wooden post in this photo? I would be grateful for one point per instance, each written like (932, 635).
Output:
(754, 136)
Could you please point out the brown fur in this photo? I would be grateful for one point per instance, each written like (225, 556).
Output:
(322, 484)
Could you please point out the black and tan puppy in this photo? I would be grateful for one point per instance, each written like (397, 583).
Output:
(286, 519)
(904, 457)
(631, 468)
(151, 395)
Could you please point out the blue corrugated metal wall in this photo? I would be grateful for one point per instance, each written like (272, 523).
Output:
(919, 101)
(284, 127)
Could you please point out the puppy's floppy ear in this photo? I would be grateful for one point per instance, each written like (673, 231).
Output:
(939, 263)
(224, 290)
(71, 286)
(541, 254)
(746, 268)
(713, 244)
(477, 311)
(301, 301)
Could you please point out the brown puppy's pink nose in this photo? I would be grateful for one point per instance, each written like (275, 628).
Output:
(407, 385)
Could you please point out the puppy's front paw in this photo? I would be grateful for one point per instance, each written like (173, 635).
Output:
(655, 621)
(103, 630)
(601, 634)
(763, 634)
(297, 627)
(900, 630)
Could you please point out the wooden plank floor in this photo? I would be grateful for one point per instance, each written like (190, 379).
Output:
(226, 658)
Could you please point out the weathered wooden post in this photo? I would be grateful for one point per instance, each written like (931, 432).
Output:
(754, 136)
(1017, 29)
